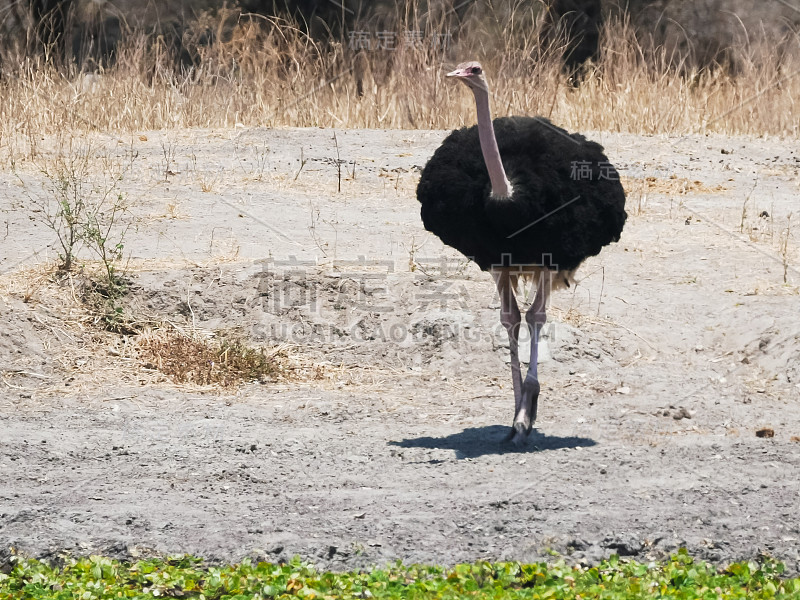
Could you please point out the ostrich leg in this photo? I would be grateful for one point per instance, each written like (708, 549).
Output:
(536, 318)
(510, 318)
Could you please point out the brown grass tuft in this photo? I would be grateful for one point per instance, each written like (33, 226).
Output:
(225, 361)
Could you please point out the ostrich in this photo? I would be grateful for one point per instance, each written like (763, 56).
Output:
(525, 200)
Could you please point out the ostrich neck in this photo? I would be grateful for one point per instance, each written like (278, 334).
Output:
(501, 188)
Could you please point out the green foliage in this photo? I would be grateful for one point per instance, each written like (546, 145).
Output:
(681, 577)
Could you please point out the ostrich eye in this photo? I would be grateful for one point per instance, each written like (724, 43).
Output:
(476, 70)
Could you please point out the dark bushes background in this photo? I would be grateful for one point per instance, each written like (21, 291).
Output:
(703, 34)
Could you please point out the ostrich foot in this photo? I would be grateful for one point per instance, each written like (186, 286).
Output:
(526, 415)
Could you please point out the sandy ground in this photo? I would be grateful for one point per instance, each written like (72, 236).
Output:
(678, 344)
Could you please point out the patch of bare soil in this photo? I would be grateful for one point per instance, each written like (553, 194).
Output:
(660, 368)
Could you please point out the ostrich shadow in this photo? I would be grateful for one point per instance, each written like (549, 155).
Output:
(492, 439)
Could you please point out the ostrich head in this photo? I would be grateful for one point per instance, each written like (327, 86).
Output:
(471, 74)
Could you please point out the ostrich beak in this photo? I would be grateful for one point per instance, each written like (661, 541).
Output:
(457, 73)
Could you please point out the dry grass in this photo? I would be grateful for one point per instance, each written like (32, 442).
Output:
(671, 186)
(268, 73)
(224, 361)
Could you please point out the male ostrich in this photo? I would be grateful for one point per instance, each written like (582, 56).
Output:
(523, 199)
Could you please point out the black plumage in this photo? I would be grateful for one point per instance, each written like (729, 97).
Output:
(566, 202)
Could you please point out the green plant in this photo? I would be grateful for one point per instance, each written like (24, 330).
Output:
(84, 207)
(99, 235)
(81, 202)
(680, 577)
(62, 207)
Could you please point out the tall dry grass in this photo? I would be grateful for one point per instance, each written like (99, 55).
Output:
(266, 72)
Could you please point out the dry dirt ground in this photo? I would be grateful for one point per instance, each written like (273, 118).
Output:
(678, 344)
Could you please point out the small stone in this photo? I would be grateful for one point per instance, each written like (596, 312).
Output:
(682, 413)
(765, 432)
